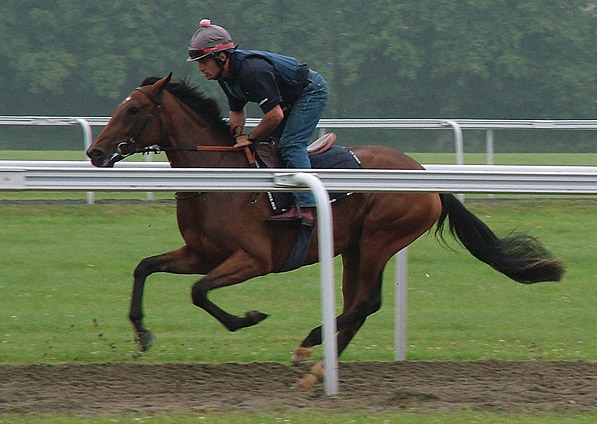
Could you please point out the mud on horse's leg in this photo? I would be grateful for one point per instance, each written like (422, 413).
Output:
(317, 372)
(305, 350)
(350, 277)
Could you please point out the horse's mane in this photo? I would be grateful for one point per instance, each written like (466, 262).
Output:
(194, 99)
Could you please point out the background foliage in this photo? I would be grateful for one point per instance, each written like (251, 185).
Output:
(475, 58)
(502, 59)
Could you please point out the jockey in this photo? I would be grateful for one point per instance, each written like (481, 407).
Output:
(290, 94)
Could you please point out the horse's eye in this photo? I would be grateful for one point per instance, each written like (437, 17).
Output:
(133, 110)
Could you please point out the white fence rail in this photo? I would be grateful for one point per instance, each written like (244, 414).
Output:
(457, 125)
(80, 176)
(380, 123)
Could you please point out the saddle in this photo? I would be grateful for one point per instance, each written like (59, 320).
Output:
(323, 155)
(269, 156)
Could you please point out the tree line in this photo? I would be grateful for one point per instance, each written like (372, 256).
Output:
(506, 59)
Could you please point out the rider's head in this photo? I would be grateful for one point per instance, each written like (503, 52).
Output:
(208, 42)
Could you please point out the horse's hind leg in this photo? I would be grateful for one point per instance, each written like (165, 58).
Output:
(179, 261)
(361, 284)
(358, 305)
(316, 373)
(387, 232)
(351, 319)
(357, 309)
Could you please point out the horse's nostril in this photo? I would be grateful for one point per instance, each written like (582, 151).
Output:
(94, 153)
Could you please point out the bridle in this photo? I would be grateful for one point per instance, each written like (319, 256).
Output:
(128, 148)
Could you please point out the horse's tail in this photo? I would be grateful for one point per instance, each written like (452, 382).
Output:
(518, 256)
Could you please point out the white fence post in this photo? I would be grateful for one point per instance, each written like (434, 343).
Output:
(400, 304)
(87, 139)
(326, 261)
(489, 149)
(458, 147)
(149, 194)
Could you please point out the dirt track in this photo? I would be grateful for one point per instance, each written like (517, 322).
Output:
(107, 389)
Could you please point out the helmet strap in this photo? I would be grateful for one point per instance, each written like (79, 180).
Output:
(221, 63)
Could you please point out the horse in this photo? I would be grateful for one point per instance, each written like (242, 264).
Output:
(228, 240)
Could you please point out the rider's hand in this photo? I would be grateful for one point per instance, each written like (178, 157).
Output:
(242, 141)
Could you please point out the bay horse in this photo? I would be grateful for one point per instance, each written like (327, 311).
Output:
(228, 240)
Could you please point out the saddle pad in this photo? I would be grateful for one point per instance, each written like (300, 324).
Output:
(337, 157)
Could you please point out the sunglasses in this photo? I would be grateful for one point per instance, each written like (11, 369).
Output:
(209, 51)
(195, 54)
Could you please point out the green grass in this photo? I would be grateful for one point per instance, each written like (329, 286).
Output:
(318, 418)
(67, 274)
(552, 159)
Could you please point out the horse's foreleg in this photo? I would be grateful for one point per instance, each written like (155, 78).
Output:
(237, 268)
(180, 261)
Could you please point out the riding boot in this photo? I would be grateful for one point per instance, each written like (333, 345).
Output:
(305, 215)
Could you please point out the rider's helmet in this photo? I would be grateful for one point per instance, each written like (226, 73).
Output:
(208, 40)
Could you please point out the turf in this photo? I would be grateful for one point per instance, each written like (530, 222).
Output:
(460, 417)
(67, 274)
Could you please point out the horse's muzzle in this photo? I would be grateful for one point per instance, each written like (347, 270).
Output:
(102, 159)
(96, 155)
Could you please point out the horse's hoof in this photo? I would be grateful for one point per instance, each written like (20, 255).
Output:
(307, 382)
(145, 340)
(301, 354)
(255, 317)
(314, 376)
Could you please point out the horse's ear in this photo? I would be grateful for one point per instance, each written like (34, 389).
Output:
(161, 84)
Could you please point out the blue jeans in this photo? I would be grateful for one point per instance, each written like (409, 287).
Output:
(300, 125)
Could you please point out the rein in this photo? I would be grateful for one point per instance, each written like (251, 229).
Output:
(127, 148)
